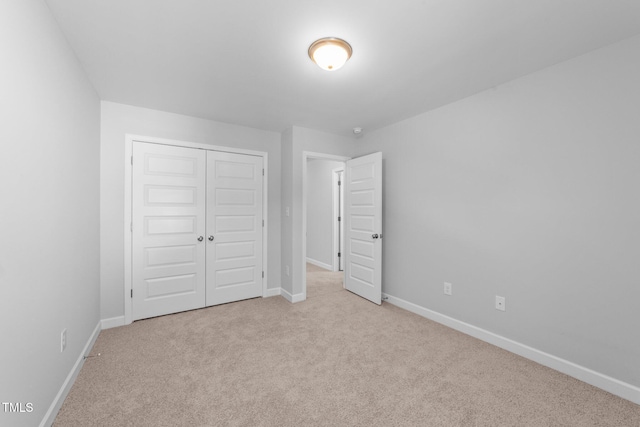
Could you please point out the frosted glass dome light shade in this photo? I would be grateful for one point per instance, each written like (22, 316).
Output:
(330, 53)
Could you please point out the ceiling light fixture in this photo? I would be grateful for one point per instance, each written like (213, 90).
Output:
(330, 53)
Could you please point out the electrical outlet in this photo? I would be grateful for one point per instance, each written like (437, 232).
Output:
(448, 288)
(501, 303)
(286, 270)
(63, 340)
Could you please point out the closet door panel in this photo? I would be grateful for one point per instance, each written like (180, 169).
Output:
(169, 204)
(234, 227)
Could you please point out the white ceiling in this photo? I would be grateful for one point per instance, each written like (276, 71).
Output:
(245, 61)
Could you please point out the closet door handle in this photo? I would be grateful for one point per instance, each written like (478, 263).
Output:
(200, 239)
(374, 236)
(211, 238)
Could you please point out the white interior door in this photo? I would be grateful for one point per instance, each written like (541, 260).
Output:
(234, 227)
(363, 226)
(168, 250)
(338, 179)
(341, 222)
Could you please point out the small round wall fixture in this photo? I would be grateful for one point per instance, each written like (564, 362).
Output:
(330, 53)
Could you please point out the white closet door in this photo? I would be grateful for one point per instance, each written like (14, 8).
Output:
(234, 227)
(363, 226)
(168, 229)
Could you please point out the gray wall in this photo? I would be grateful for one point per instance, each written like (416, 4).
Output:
(117, 121)
(320, 216)
(49, 175)
(529, 191)
(287, 202)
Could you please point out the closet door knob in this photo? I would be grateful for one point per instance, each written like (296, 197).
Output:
(374, 236)
(200, 239)
(211, 238)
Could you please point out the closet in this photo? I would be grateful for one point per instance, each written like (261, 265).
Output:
(197, 228)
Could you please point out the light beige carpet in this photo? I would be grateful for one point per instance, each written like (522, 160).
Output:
(333, 360)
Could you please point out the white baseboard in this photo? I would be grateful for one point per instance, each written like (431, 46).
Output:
(320, 264)
(272, 292)
(112, 322)
(605, 382)
(50, 416)
(292, 298)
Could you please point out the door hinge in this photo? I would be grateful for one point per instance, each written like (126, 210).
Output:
(131, 227)
(339, 254)
(339, 218)
(263, 274)
(339, 182)
(262, 172)
(132, 160)
(263, 222)
(131, 293)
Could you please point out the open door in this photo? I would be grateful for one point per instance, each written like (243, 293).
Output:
(363, 227)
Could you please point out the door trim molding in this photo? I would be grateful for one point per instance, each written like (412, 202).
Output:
(306, 155)
(337, 200)
(128, 204)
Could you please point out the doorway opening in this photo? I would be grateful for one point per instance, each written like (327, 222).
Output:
(362, 207)
(322, 204)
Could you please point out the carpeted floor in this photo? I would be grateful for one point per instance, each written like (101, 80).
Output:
(333, 360)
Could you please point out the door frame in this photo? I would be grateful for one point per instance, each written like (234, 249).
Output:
(338, 200)
(128, 205)
(306, 155)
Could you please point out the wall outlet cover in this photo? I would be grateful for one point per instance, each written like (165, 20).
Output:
(448, 288)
